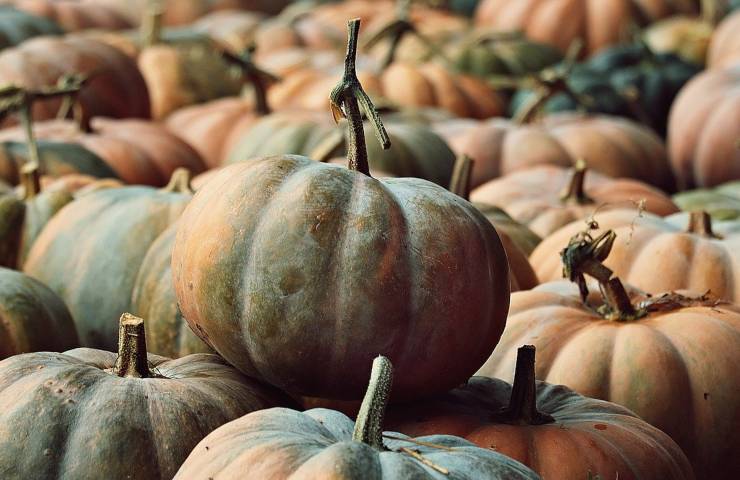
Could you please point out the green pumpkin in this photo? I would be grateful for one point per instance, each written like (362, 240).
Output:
(16, 26)
(505, 56)
(626, 80)
(416, 151)
(32, 317)
(722, 202)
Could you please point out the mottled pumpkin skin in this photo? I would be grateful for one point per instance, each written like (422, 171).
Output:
(137, 151)
(722, 203)
(587, 436)
(134, 428)
(655, 254)
(704, 129)
(521, 236)
(287, 254)
(282, 443)
(534, 197)
(416, 151)
(91, 252)
(724, 49)
(153, 298)
(73, 15)
(17, 26)
(599, 23)
(116, 87)
(613, 146)
(675, 368)
(21, 220)
(32, 317)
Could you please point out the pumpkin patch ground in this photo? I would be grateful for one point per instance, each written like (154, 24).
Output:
(369, 239)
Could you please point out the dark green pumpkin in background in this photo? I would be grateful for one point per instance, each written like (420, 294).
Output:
(17, 26)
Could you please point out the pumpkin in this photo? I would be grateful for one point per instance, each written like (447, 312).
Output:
(550, 428)
(520, 271)
(432, 275)
(547, 197)
(91, 251)
(322, 443)
(558, 23)
(680, 252)
(609, 145)
(724, 49)
(703, 130)
(137, 407)
(625, 80)
(669, 358)
(115, 87)
(416, 151)
(687, 36)
(235, 28)
(136, 151)
(153, 297)
(721, 203)
(73, 15)
(17, 26)
(33, 318)
(22, 217)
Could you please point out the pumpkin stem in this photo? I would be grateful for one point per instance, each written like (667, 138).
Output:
(575, 191)
(522, 409)
(700, 223)
(398, 28)
(132, 359)
(462, 176)
(711, 11)
(34, 158)
(259, 78)
(70, 103)
(369, 424)
(618, 303)
(151, 24)
(31, 180)
(345, 101)
(179, 182)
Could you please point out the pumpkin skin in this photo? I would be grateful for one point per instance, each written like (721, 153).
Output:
(703, 130)
(23, 216)
(91, 251)
(584, 438)
(625, 80)
(674, 368)
(153, 297)
(721, 203)
(17, 26)
(724, 49)
(32, 317)
(534, 197)
(73, 15)
(155, 420)
(520, 235)
(282, 443)
(234, 28)
(115, 89)
(609, 145)
(599, 23)
(687, 37)
(137, 151)
(415, 150)
(515, 56)
(657, 255)
(254, 299)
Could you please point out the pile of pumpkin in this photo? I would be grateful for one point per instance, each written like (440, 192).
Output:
(239, 239)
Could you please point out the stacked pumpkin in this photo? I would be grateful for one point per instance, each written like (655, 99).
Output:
(242, 288)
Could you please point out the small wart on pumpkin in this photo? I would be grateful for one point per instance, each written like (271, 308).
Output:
(600, 426)
(292, 282)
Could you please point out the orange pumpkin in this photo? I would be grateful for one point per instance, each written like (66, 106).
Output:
(681, 252)
(599, 23)
(613, 146)
(73, 15)
(550, 428)
(724, 49)
(548, 197)
(704, 129)
(669, 358)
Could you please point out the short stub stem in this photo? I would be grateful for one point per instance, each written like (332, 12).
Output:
(522, 409)
(462, 176)
(132, 356)
(31, 180)
(369, 423)
(179, 182)
(700, 223)
(575, 191)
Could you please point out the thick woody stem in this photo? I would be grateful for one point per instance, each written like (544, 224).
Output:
(33, 149)
(575, 192)
(132, 357)
(462, 176)
(522, 409)
(179, 182)
(151, 24)
(700, 223)
(369, 424)
(619, 302)
(31, 180)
